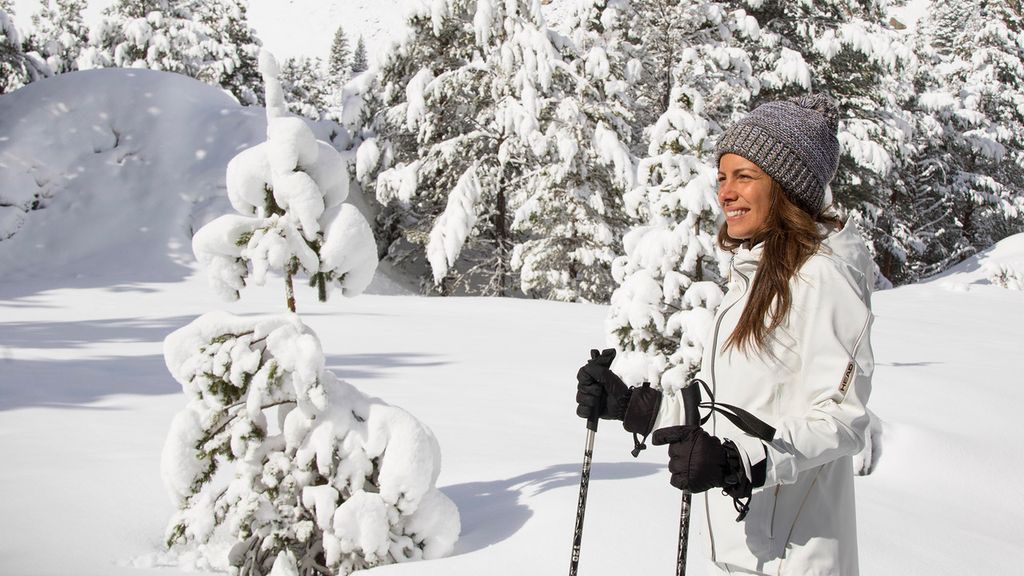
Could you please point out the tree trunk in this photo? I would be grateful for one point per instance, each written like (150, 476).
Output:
(500, 237)
(289, 291)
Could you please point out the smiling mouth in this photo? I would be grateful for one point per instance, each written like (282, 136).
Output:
(736, 213)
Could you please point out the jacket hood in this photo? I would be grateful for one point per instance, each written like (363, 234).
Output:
(846, 248)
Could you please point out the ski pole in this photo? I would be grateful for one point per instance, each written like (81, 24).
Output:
(691, 417)
(581, 506)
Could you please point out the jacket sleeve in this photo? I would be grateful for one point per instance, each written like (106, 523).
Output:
(833, 328)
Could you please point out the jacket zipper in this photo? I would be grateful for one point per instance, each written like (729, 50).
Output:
(771, 525)
(714, 390)
(714, 341)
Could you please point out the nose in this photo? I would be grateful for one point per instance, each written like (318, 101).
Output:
(725, 191)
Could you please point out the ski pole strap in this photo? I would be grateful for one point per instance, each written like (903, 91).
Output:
(740, 418)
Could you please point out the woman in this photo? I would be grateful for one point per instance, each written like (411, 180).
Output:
(790, 344)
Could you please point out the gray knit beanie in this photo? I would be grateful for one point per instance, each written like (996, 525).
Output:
(793, 141)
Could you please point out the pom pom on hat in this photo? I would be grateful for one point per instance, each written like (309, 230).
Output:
(823, 105)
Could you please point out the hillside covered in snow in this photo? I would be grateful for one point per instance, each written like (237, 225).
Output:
(131, 161)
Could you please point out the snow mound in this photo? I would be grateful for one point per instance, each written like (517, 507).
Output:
(1001, 266)
(118, 161)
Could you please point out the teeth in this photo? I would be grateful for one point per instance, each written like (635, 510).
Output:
(732, 213)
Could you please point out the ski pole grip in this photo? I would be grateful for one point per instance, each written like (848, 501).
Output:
(594, 417)
(691, 404)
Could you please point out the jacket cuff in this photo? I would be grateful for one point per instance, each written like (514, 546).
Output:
(754, 456)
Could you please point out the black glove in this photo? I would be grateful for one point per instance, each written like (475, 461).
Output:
(699, 462)
(598, 388)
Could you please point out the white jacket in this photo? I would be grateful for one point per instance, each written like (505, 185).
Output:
(811, 384)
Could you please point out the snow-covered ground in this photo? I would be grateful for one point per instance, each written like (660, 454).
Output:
(85, 403)
(91, 284)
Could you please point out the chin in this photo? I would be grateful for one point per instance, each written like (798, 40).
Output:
(741, 234)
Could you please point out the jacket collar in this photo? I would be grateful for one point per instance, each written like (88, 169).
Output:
(745, 259)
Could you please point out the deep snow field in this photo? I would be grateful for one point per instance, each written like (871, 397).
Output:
(92, 283)
(85, 403)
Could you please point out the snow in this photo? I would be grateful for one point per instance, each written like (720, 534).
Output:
(94, 282)
(611, 151)
(414, 95)
(454, 225)
(349, 249)
(1000, 266)
(512, 444)
(910, 12)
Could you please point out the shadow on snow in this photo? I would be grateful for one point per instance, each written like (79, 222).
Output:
(492, 511)
(88, 332)
(368, 366)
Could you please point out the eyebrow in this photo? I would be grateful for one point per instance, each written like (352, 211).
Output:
(753, 171)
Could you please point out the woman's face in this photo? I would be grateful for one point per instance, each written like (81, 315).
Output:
(744, 192)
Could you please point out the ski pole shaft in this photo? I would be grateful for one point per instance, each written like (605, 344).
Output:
(691, 417)
(581, 506)
(684, 534)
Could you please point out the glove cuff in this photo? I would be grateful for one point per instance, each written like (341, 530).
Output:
(737, 484)
(640, 414)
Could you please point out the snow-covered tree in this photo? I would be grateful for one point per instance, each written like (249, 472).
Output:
(290, 194)
(359, 60)
(994, 86)
(967, 183)
(60, 33)
(18, 66)
(209, 41)
(572, 219)
(339, 65)
(305, 87)
(234, 48)
(154, 34)
(657, 31)
(459, 139)
(297, 471)
(670, 275)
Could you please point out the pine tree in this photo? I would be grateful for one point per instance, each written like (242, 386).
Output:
(17, 66)
(209, 41)
(461, 105)
(154, 34)
(670, 275)
(57, 29)
(340, 63)
(321, 480)
(995, 87)
(60, 33)
(359, 61)
(234, 50)
(968, 149)
(572, 219)
(655, 30)
(304, 86)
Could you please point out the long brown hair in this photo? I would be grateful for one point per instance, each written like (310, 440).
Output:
(790, 237)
